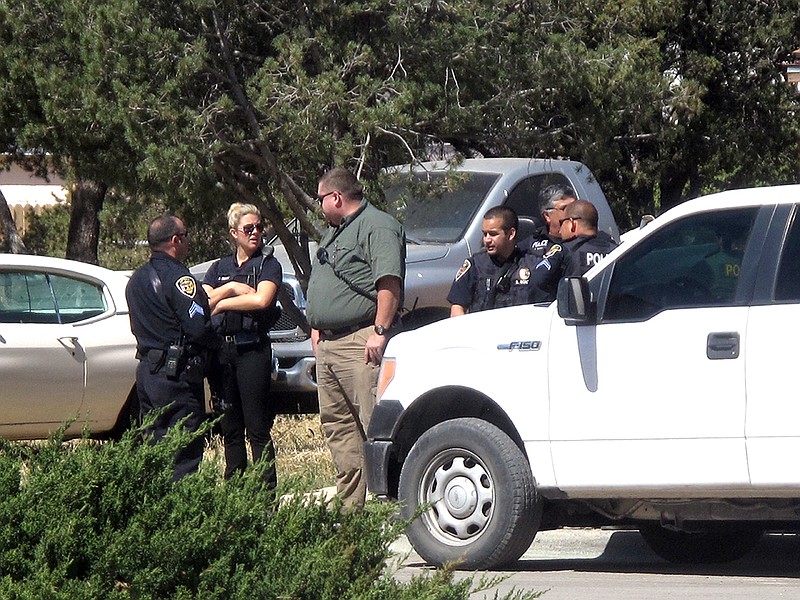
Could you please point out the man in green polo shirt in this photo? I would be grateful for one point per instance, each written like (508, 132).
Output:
(354, 295)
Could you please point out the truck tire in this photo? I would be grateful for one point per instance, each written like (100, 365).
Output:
(717, 543)
(483, 509)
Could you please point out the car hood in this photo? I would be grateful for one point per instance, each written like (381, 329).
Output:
(467, 351)
(486, 331)
(416, 253)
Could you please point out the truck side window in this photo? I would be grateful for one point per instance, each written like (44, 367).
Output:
(691, 263)
(787, 288)
(524, 198)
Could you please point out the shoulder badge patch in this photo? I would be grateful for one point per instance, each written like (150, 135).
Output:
(554, 249)
(464, 268)
(187, 286)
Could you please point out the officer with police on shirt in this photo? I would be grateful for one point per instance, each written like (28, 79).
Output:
(581, 246)
(498, 274)
(169, 316)
(553, 200)
(584, 244)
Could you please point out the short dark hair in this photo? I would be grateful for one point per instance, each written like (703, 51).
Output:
(343, 181)
(506, 213)
(585, 210)
(552, 194)
(161, 230)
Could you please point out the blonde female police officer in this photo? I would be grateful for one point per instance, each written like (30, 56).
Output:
(242, 290)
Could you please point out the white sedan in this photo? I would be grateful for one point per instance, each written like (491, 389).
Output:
(66, 348)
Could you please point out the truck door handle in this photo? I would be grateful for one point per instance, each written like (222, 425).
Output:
(721, 345)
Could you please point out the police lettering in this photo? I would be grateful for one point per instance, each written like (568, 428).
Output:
(592, 258)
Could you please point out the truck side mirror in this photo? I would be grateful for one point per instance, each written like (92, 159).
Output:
(574, 301)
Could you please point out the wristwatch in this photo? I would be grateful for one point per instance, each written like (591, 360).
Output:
(380, 329)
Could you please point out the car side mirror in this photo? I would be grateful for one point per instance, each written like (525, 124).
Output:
(574, 301)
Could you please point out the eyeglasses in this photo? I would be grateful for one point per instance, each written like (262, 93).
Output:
(321, 198)
(182, 234)
(561, 222)
(250, 228)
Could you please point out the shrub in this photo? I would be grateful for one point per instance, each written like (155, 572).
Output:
(86, 520)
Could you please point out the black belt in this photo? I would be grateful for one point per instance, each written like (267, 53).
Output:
(248, 339)
(341, 331)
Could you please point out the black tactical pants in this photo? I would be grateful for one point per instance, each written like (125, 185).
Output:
(247, 376)
(182, 400)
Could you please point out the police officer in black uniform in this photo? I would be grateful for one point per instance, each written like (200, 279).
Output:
(584, 244)
(498, 274)
(169, 316)
(242, 289)
(581, 246)
(553, 200)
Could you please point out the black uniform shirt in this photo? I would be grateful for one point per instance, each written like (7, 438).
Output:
(167, 307)
(257, 268)
(476, 284)
(538, 244)
(546, 272)
(583, 252)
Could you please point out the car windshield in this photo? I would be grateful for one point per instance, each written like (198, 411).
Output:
(436, 208)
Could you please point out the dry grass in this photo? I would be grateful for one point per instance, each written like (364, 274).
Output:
(300, 449)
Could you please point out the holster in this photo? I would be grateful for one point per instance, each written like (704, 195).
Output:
(195, 369)
(155, 358)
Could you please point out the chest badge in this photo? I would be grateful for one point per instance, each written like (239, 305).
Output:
(186, 285)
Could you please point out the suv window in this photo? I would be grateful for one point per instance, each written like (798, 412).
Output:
(693, 262)
(787, 288)
(27, 297)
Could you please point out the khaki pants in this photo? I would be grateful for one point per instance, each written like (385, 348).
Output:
(347, 388)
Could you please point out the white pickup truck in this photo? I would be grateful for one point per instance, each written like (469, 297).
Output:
(653, 394)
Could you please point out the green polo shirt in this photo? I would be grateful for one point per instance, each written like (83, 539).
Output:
(368, 245)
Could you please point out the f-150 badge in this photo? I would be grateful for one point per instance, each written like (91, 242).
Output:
(526, 346)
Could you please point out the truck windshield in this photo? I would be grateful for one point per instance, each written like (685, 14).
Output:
(436, 208)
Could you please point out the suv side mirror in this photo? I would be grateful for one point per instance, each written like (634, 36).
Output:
(575, 301)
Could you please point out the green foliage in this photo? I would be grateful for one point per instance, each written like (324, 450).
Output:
(123, 233)
(203, 103)
(85, 520)
(47, 231)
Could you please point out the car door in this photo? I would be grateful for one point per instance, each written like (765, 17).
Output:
(653, 395)
(42, 362)
(773, 401)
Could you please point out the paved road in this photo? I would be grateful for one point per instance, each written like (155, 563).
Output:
(582, 564)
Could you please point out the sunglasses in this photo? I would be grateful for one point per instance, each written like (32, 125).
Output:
(561, 222)
(250, 228)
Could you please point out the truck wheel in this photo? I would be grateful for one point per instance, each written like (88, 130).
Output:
(718, 543)
(483, 509)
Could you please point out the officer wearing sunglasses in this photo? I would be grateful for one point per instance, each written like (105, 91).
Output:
(242, 290)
